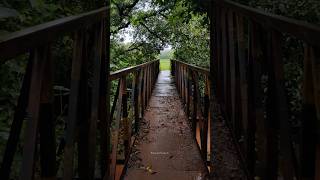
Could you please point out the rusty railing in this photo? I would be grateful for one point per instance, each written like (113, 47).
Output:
(193, 85)
(247, 66)
(87, 107)
(141, 85)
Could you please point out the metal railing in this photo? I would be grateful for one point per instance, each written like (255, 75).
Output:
(196, 99)
(247, 45)
(87, 105)
(141, 84)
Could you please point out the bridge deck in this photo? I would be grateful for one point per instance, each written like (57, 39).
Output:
(165, 148)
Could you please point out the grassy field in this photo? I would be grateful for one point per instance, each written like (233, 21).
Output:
(164, 64)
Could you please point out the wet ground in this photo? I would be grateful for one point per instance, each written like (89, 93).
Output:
(165, 148)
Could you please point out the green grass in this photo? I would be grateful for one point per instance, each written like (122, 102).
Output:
(164, 64)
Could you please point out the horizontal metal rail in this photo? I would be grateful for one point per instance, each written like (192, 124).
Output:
(123, 72)
(22, 41)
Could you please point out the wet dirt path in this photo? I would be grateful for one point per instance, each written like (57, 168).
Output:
(165, 148)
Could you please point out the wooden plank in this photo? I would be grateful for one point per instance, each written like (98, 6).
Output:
(33, 109)
(73, 105)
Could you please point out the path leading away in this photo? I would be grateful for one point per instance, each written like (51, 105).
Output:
(165, 148)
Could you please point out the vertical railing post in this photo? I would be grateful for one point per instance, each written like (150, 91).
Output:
(141, 111)
(136, 106)
(105, 96)
(83, 112)
(33, 109)
(254, 105)
(127, 136)
(115, 136)
(96, 50)
(310, 133)
(104, 107)
(204, 132)
(195, 102)
(47, 123)
(189, 84)
(73, 104)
